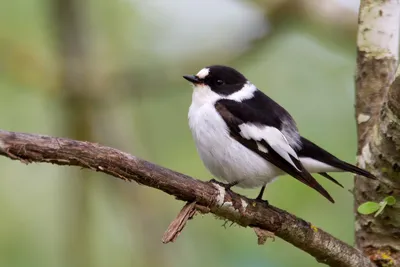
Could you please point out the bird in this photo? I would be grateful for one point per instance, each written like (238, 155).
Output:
(248, 140)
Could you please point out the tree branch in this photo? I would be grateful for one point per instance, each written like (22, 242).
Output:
(208, 196)
(378, 117)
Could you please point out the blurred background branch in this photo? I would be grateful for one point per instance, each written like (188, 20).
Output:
(325, 19)
(83, 100)
(77, 100)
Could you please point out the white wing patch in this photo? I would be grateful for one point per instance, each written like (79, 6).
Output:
(203, 73)
(312, 166)
(262, 148)
(273, 137)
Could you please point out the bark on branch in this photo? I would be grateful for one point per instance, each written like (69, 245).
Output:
(208, 196)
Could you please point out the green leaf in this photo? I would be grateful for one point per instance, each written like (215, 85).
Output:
(383, 205)
(368, 207)
(390, 200)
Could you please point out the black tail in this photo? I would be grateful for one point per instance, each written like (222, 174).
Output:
(311, 150)
(351, 168)
(330, 178)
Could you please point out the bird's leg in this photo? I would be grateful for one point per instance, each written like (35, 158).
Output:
(260, 195)
(227, 186)
(230, 185)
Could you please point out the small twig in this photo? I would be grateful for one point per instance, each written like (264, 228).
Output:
(177, 225)
(263, 235)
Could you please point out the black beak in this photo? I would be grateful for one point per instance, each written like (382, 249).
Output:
(192, 78)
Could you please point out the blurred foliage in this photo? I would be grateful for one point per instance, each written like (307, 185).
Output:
(137, 52)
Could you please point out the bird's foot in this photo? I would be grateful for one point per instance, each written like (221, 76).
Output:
(260, 196)
(236, 204)
(227, 186)
(264, 201)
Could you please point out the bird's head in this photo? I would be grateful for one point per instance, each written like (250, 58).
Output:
(221, 80)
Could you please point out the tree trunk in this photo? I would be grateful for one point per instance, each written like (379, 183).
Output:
(378, 129)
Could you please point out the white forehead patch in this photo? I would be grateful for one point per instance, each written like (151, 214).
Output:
(203, 73)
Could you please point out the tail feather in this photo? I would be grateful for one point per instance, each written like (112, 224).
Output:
(353, 169)
(330, 178)
(311, 150)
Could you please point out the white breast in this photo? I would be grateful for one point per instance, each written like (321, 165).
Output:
(224, 157)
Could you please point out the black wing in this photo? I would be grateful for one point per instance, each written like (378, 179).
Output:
(268, 111)
(311, 150)
(237, 114)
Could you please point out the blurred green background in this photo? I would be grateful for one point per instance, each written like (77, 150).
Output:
(111, 72)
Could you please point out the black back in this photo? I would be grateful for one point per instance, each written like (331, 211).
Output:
(261, 109)
(273, 114)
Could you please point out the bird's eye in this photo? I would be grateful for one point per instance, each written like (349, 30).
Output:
(220, 82)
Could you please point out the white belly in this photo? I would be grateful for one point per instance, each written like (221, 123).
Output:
(223, 156)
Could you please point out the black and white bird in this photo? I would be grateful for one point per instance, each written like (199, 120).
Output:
(247, 139)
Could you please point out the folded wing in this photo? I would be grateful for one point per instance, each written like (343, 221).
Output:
(263, 135)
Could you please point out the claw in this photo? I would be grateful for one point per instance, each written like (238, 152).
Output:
(226, 186)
